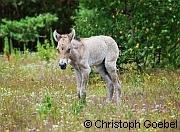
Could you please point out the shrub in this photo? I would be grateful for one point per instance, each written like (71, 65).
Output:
(144, 30)
(27, 29)
(46, 51)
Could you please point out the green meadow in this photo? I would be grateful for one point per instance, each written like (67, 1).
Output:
(36, 95)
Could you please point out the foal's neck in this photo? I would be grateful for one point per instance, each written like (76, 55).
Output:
(77, 50)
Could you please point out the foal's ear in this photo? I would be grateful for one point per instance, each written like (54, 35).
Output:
(72, 34)
(56, 36)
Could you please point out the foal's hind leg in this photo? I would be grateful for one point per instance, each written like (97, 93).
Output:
(102, 71)
(112, 71)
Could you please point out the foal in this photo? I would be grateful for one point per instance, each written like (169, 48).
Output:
(99, 51)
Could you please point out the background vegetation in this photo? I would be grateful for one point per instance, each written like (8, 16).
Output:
(147, 31)
(29, 17)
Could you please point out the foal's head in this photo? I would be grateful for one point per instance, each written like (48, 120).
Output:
(64, 47)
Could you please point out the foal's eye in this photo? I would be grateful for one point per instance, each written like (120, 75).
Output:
(68, 50)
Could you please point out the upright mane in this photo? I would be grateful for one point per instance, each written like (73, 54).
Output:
(77, 38)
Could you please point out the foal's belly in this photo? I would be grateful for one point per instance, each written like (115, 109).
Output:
(95, 61)
(96, 58)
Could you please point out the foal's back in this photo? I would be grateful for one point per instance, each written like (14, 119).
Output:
(98, 47)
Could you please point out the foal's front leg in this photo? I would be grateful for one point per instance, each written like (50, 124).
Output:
(85, 76)
(79, 81)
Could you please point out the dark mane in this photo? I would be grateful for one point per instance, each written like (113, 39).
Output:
(77, 38)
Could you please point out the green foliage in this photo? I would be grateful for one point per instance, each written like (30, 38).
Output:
(27, 29)
(11, 47)
(6, 49)
(77, 106)
(46, 51)
(14, 15)
(146, 31)
(17, 54)
(17, 9)
(45, 106)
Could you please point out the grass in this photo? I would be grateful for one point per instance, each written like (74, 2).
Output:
(36, 95)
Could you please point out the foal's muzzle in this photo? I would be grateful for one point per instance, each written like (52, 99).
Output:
(63, 66)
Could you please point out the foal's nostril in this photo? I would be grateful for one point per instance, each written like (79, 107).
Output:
(62, 66)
